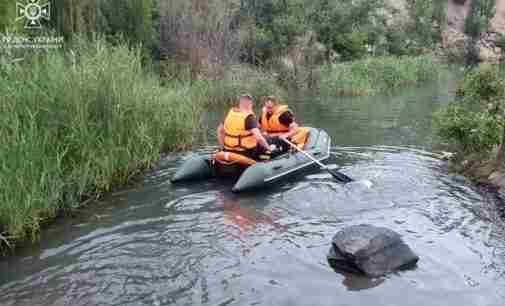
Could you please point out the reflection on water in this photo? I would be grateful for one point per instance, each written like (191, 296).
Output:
(199, 244)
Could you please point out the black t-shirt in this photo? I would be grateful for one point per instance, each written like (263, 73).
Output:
(251, 123)
(286, 118)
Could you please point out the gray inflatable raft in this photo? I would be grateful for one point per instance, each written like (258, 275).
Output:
(200, 167)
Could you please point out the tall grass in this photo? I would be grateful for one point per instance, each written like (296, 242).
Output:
(77, 123)
(380, 74)
(224, 88)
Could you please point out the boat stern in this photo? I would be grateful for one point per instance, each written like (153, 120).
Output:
(195, 168)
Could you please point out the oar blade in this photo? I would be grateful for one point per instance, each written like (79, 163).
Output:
(339, 176)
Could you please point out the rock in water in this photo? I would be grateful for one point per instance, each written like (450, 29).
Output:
(371, 250)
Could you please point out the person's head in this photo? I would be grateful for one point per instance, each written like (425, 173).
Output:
(270, 104)
(246, 102)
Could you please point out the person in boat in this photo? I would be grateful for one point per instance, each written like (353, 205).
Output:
(240, 131)
(277, 121)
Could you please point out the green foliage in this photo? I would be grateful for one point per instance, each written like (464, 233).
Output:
(238, 80)
(474, 122)
(426, 20)
(471, 132)
(416, 31)
(500, 42)
(348, 27)
(8, 17)
(481, 85)
(272, 26)
(352, 45)
(380, 74)
(79, 123)
(481, 13)
(132, 19)
(71, 17)
(7, 14)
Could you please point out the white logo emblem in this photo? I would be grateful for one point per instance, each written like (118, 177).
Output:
(33, 11)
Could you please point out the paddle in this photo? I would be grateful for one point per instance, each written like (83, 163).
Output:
(337, 175)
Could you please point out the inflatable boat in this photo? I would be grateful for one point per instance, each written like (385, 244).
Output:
(254, 174)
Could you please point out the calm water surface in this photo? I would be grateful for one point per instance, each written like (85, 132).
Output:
(199, 244)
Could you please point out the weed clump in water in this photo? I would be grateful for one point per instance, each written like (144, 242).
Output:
(375, 75)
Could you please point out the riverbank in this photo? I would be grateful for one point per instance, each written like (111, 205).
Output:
(472, 126)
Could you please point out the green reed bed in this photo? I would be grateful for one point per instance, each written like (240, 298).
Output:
(238, 79)
(380, 74)
(75, 124)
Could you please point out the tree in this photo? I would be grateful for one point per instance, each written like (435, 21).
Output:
(271, 27)
(477, 23)
(71, 17)
(200, 33)
(348, 27)
(426, 20)
(130, 18)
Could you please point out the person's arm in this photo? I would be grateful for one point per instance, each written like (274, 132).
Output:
(261, 140)
(252, 125)
(263, 131)
(220, 134)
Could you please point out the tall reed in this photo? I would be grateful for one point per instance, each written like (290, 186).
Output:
(77, 123)
(380, 74)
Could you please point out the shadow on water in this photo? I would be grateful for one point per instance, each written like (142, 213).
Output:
(200, 244)
(357, 283)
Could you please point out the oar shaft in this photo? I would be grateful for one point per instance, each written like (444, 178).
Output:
(305, 153)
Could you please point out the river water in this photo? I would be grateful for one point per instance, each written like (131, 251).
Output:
(199, 244)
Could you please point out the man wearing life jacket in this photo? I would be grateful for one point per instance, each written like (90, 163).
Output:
(277, 121)
(240, 132)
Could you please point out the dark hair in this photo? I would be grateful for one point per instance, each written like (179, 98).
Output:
(271, 98)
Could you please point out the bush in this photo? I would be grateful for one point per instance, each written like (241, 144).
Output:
(469, 132)
(473, 123)
(352, 45)
(482, 84)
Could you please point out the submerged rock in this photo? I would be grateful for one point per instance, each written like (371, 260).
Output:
(371, 250)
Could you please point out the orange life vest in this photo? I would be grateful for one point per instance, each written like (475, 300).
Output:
(237, 138)
(272, 125)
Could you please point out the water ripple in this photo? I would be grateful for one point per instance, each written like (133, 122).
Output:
(203, 245)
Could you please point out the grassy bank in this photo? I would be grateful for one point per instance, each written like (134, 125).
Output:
(375, 75)
(80, 123)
